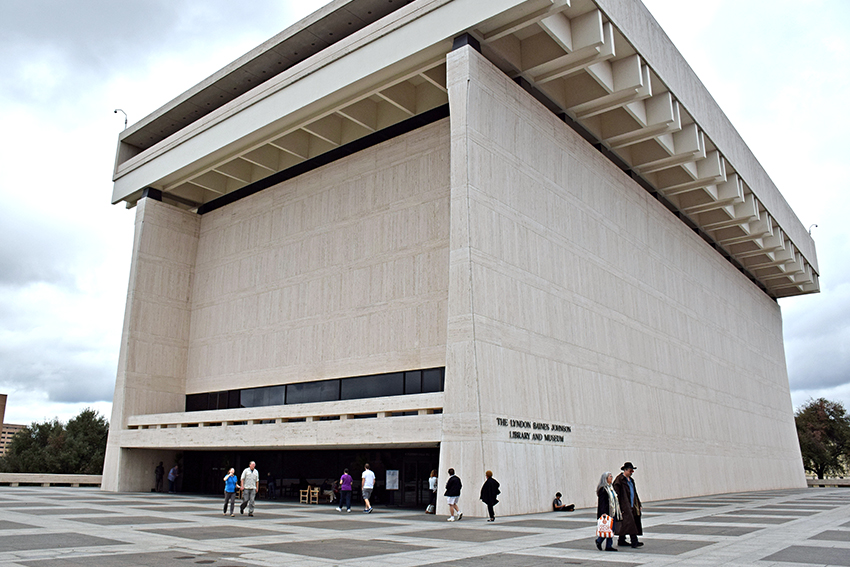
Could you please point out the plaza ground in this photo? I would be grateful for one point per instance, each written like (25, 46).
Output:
(70, 527)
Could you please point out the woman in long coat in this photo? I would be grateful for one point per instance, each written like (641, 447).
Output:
(488, 494)
(607, 504)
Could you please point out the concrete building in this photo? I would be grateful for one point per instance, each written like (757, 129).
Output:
(7, 430)
(481, 234)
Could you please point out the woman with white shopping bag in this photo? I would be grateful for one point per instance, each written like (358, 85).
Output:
(607, 511)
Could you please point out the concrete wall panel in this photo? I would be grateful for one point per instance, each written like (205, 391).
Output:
(576, 298)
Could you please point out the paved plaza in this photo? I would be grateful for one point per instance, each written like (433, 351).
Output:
(71, 527)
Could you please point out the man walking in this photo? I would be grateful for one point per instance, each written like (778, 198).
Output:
(250, 479)
(452, 494)
(367, 485)
(624, 486)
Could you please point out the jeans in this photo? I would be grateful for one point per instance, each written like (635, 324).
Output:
(491, 511)
(229, 496)
(248, 496)
(345, 499)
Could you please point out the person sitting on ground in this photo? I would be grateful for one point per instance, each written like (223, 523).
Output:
(559, 506)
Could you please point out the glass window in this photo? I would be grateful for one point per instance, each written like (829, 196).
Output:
(309, 392)
(432, 380)
(233, 399)
(276, 395)
(372, 386)
(413, 382)
(250, 398)
(222, 400)
(196, 402)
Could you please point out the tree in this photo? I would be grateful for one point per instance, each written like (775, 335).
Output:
(823, 429)
(53, 447)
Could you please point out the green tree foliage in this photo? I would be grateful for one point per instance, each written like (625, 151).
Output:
(823, 428)
(54, 447)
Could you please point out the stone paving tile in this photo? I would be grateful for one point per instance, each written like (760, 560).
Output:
(702, 530)
(7, 525)
(217, 532)
(116, 520)
(154, 559)
(176, 508)
(52, 541)
(547, 524)
(796, 506)
(512, 560)
(58, 511)
(847, 525)
(652, 546)
(833, 535)
(753, 512)
(340, 549)
(465, 534)
(812, 555)
(741, 520)
(343, 525)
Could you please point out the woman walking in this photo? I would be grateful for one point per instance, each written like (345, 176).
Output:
(432, 486)
(230, 482)
(488, 494)
(607, 504)
(345, 492)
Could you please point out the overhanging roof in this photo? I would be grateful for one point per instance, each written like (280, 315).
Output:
(605, 65)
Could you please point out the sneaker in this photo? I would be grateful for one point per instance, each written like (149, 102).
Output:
(233, 515)
(251, 515)
(459, 516)
(349, 510)
(451, 519)
(338, 509)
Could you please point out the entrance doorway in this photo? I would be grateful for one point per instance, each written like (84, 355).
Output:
(291, 471)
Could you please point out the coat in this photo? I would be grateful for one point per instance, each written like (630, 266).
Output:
(453, 486)
(489, 491)
(603, 505)
(630, 524)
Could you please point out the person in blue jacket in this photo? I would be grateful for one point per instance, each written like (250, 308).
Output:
(231, 481)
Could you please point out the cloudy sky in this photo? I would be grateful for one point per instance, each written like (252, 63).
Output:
(780, 70)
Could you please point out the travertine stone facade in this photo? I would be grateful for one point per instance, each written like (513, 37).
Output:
(339, 272)
(576, 297)
(154, 346)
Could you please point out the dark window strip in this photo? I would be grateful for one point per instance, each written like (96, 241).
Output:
(352, 388)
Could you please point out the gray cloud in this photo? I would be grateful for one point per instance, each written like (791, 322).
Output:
(53, 51)
(68, 370)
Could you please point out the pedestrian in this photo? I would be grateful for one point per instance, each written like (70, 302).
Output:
(159, 473)
(624, 486)
(230, 483)
(452, 494)
(488, 494)
(345, 491)
(250, 481)
(270, 486)
(432, 486)
(172, 478)
(559, 506)
(607, 504)
(367, 485)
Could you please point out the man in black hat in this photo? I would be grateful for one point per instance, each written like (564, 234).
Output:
(630, 506)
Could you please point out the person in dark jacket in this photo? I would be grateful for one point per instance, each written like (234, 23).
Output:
(452, 494)
(488, 494)
(607, 504)
(630, 506)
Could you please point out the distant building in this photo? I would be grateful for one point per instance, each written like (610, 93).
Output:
(480, 234)
(7, 430)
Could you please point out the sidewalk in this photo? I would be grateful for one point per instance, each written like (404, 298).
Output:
(76, 527)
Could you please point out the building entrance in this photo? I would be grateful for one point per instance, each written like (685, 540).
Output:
(290, 471)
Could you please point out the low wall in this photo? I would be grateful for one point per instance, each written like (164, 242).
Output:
(16, 479)
(828, 481)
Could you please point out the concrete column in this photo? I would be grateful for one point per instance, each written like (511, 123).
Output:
(152, 361)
